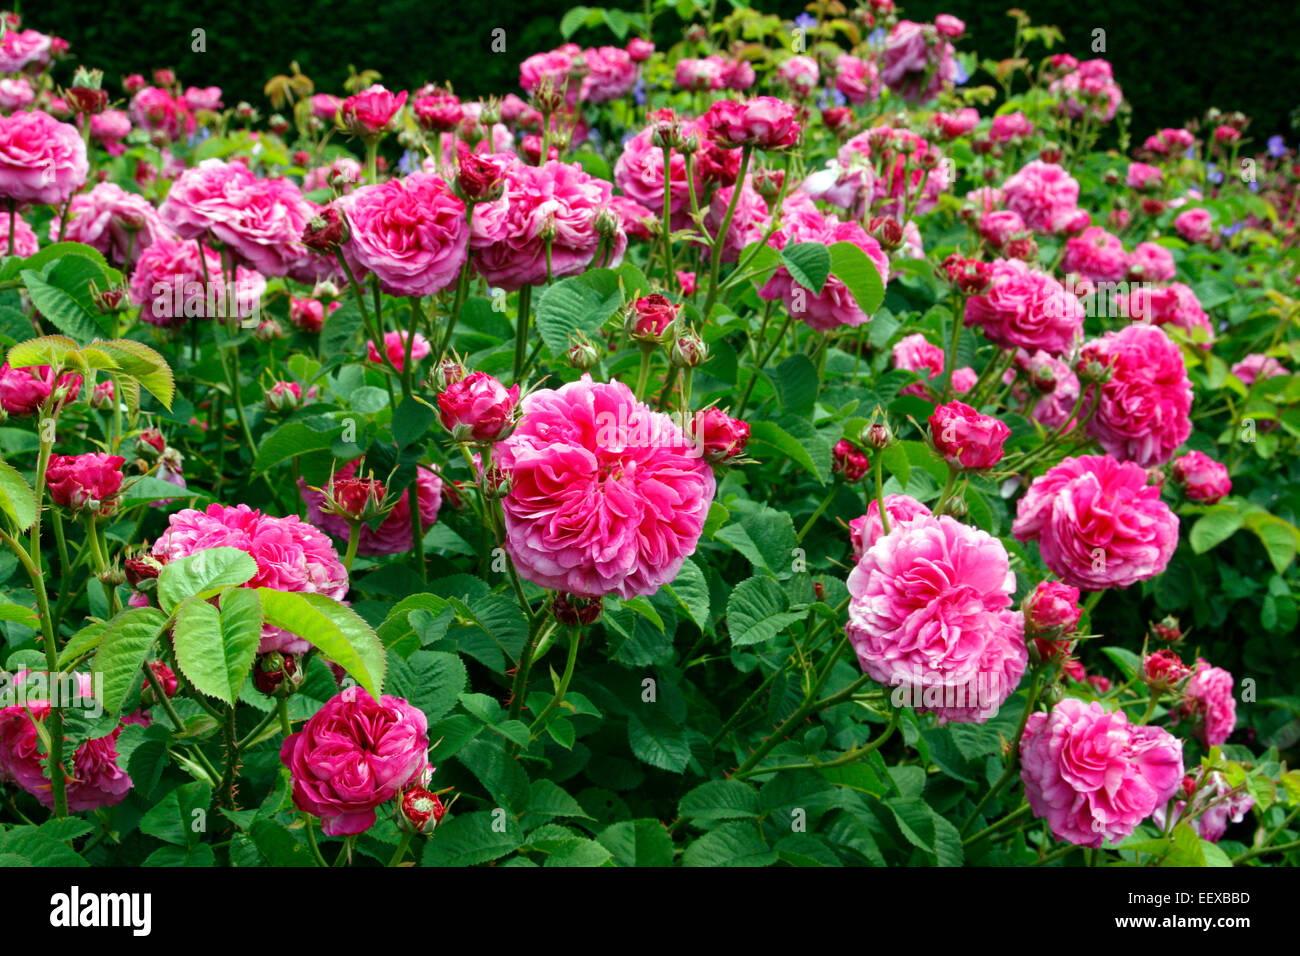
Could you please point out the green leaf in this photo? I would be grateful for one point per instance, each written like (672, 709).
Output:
(473, 838)
(809, 264)
(1278, 536)
(175, 818)
(122, 651)
(757, 611)
(340, 329)
(638, 843)
(1214, 527)
(656, 740)
(852, 266)
(431, 680)
(50, 350)
(60, 309)
(144, 365)
(292, 439)
(691, 592)
(731, 844)
(17, 499)
(215, 649)
(411, 421)
(578, 304)
(340, 633)
(774, 436)
(720, 800)
(202, 573)
(766, 537)
(572, 21)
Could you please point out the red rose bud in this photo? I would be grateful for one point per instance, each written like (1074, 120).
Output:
(1024, 248)
(478, 408)
(479, 178)
(969, 275)
(667, 128)
(1164, 669)
(447, 373)
(1044, 652)
(576, 611)
(85, 483)
(277, 675)
(1051, 154)
(583, 354)
(837, 117)
(325, 231)
(965, 438)
(149, 444)
(768, 183)
(284, 397)
(437, 112)
(1152, 206)
(166, 680)
(134, 83)
(688, 351)
(878, 435)
(1167, 629)
(887, 231)
(421, 810)
(722, 438)
(139, 570)
(358, 499)
(849, 461)
(163, 77)
(1051, 611)
(101, 399)
(650, 317)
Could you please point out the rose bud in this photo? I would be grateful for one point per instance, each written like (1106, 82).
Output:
(965, 438)
(1152, 206)
(439, 112)
(583, 354)
(667, 128)
(277, 675)
(686, 282)
(145, 568)
(370, 113)
(166, 679)
(447, 373)
(1163, 669)
(478, 178)
(640, 49)
(85, 483)
(284, 397)
(101, 399)
(1051, 611)
(355, 498)
(688, 350)
(268, 330)
(163, 77)
(478, 408)
(1201, 477)
(849, 461)
(768, 183)
(1167, 629)
(576, 611)
(134, 83)
(878, 435)
(968, 275)
(421, 810)
(325, 231)
(649, 318)
(837, 117)
(722, 439)
(1024, 248)
(887, 231)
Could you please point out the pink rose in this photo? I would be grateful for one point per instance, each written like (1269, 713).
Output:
(395, 349)
(24, 390)
(1257, 366)
(394, 533)
(121, 225)
(639, 172)
(957, 123)
(554, 66)
(20, 49)
(260, 220)
(1195, 225)
(87, 482)
(1149, 262)
(1024, 308)
(965, 438)
(203, 97)
(1142, 176)
(1202, 478)
(553, 206)
(411, 233)
(1173, 304)
(929, 613)
(800, 73)
(93, 779)
(291, 555)
(606, 495)
(1051, 611)
(1092, 775)
(763, 122)
(325, 107)
(478, 408)
(1211, 704)
(1089, 88)
(1051, 389)
(41, 159)
(370, 113)
(858, 79)
(694, 74)
(640, 49)
(915, 353)
(1098, 523)
(865, 531)
(996, 228)
(721, 437)
(1007, 127)
(1216, 803)
(25, 241)
(354, 754)
(749, 220)
(1095, 255)
(173, 286)
(611, 74)
(16, 94)
(949, 26)
(110, 127)
(1043, 193)
(1143, 410)
(156, 111)
(917, 64)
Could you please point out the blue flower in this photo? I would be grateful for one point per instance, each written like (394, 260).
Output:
(1191, 153)
(1229, 231)
(407, 164)
(962, 76)
(1213, 175)
(1276, 146)
(876, 37)
(805, 21)
(638, 91)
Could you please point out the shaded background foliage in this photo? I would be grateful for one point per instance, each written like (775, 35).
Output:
(1173, 59)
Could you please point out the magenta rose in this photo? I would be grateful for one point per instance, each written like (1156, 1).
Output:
(1202, 478)
(411, 233)
(763, 122)
(965, 438)
(1051, 611)
(1098, 523)
(1096, 255)
(260, 220)
(611, 74)
(1195, 225)
(395, 349)
(1142, 411)
(121, 225)
(87, 482)
(1043, 194)
(1092, 775)
(1010, 126)
(24, 390)
(369, 113)
(394, 533)
(1150, 263)
(478, 408)
(1025, 308)
(1210, 703)
(25, 241)
(930, 615)
(20, 49)
(721, 437)
(166, 117)
(918, 63)
(639, 173)
(41, 159)
(866, 530)
(353, 755)
(607, 496)
(172, 285)
(857, 79)
(749, 219)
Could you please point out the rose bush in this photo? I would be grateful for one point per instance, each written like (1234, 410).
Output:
(709, 437)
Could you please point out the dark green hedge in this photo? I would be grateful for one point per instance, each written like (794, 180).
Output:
(1172, 58)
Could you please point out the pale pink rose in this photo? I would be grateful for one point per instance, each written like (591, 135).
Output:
(1025, 308)
(964, 438)
(639, 173)
(41, 159)
(957, 123)
(1258, 366)
(1010, 126)
(291, 555)
(1143, 411)
(394, 534)
(800, 73)
(16, 94)
(866, 530)
(110, 128)
(1202, 478)
(260, 220)
(1043, 193)
(20, 49)
(833, 305)
(25, 241)
(611, 74)
(1142, 176)
(1051, 388)
(395, 349)
(121, 225)
(1210, 702)
(411, 233)
(918, 63)
(1195, 225)
(1173, 304)
(172, 286)
(325, 107)
(509, 235)
(749, 221)
(858, 79)
(696, 74)
(203, 98)
(607, 496)
(915, 353)
(1092, 775)
(1149, 262)
(1098, 523)
(156, 111)
(1091, 89)
(93, 777)
(353, 755)
(996, 228)
(1096, 255)
(930, 612)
